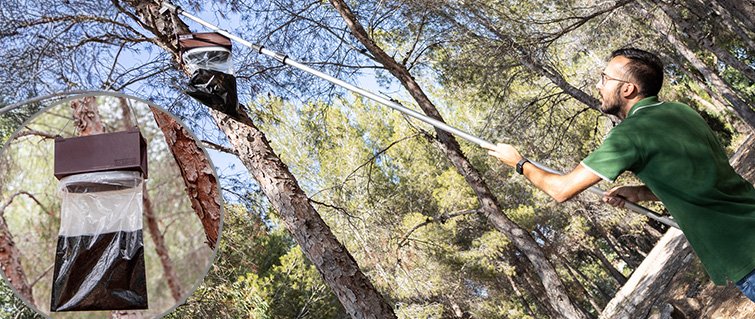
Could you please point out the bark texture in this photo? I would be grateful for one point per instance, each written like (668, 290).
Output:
(331, 258)
(672, 253)
(196, 170)
(706, 41)
(339, 269)
(555, 289)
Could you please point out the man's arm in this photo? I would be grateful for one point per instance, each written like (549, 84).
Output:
(560, 187)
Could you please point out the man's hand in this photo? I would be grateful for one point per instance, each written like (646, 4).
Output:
(505, 153)
(618, 196)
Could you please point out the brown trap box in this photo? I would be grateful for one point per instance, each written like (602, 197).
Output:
(199, 40)
(125, 150)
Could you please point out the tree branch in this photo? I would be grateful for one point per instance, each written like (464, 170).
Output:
(10, 200)
(440, 219)
(219, 148)
(34, 133)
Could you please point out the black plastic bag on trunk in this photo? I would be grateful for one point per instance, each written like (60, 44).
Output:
(208, 57)
(99, 260)
(214, 89)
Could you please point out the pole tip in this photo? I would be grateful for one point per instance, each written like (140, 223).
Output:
(167, 6)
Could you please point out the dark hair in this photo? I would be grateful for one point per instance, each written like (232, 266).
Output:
(644, 68)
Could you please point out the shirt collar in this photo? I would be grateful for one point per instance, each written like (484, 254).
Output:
(641, 104)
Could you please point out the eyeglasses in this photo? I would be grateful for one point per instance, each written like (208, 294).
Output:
(605, 77)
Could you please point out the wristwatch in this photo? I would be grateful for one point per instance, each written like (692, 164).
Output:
(520, 165)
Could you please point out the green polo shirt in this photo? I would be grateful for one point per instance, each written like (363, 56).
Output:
(674, 152)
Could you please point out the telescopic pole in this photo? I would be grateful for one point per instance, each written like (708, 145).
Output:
(396, 106)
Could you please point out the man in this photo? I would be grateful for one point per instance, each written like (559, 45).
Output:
(680, 160)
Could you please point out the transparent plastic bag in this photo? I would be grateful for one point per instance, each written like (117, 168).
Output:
(99, 261)
(209, 58)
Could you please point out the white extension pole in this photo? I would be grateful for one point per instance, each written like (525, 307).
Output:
(398, 107)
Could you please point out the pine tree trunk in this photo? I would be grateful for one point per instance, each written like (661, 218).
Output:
(740, 9)
(518, 292)
(722, 16)
(333, 261)
(649, 281)
(197, 172)
(554, 288)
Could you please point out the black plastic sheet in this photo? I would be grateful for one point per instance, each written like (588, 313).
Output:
(215, 89)
(99, 260)
(102, 272)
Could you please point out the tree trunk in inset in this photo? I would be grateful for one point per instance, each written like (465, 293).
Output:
(197, 172)
(162, 251)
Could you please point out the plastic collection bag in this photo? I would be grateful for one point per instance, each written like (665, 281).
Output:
(212, 82)
(99, 261)
(209, 58)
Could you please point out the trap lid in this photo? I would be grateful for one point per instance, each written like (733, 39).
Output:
(199, 40)
(125, 150)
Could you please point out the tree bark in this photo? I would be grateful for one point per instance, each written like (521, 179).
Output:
(619, 277)
(331, 258)
(197, 172)
(86, 116)
(515, 287)
(648, 283)
(555, 290)
(741, 10)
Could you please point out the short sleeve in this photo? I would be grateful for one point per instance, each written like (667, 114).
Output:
(616, 155)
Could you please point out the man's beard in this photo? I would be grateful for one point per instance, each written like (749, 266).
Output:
(612, 104)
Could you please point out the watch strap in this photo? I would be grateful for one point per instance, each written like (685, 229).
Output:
(520, 166)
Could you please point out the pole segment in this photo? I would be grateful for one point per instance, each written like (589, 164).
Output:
(280, 57)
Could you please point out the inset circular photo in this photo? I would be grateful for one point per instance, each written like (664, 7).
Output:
(109, 207)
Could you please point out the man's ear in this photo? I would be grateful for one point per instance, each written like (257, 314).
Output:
(629, 90)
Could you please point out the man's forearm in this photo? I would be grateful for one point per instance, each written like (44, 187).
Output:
(560, 187)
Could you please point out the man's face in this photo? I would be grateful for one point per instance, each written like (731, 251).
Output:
(609, 86)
